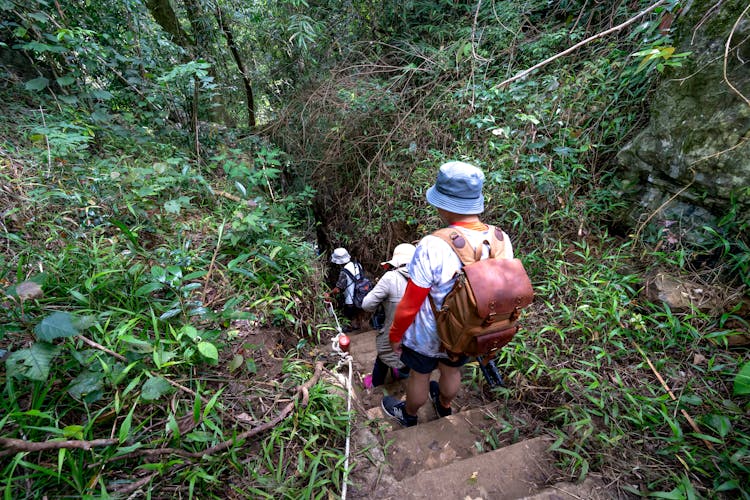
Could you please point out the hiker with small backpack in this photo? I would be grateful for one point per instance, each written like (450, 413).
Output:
(388, 292)
(354, 284)
(437, 273)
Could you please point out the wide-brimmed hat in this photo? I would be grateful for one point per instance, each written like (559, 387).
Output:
(402, 255)
(340, 256)
(458, 189)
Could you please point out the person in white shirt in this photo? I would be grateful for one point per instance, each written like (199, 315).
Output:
(457, 196)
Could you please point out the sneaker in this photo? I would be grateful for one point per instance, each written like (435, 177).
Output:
(396, 409)
(441, 410)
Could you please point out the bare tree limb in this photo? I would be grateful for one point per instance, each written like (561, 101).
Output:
(16, 445)
(580, 44)
(102, 348)
(726, 56)
(302, 393)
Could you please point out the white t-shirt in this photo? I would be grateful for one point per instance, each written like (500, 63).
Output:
(434, 266)
(348, 288)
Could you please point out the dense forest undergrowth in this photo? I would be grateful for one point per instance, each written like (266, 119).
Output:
(163, 266)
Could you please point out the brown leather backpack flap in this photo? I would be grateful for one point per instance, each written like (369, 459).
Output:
(495, 340)
(500, 286)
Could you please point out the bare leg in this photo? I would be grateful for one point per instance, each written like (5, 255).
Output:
(417, 391)
(450, 382)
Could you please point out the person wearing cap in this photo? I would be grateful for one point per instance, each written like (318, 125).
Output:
(345, 284)
(457, 196)
(388, 291)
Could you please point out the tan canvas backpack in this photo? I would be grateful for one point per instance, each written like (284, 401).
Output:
(479, 314)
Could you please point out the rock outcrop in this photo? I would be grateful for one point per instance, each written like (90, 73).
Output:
(692, 162)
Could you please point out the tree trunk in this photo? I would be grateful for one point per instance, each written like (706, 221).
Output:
(163, 14)
(221, 19)
(205, 48)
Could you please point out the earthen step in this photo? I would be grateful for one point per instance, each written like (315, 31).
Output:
(433, 444)
(513, 472)
(590, 489)
(362, 349)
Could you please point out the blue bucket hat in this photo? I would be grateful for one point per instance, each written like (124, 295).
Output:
(458, 189)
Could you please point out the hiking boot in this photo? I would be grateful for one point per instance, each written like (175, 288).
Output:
(441, 410)
(396, 409)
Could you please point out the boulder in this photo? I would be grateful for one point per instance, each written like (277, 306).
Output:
(692, 162)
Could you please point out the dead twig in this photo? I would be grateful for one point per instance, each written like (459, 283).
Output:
(685, 414)
(726, 56)
(130, 488)
(102, 348)
(302, 393)
(580, 44)
(230, 196)
(15, 445)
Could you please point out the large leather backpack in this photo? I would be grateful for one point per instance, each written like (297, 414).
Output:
(479, 315)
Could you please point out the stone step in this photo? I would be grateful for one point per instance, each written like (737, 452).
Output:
(512, 472)
(433, 444)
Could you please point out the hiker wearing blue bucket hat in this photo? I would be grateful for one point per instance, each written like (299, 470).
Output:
(457, 196)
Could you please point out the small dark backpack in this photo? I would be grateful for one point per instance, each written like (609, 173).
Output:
(479, 314)
(362, 285)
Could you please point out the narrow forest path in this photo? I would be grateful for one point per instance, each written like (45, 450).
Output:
(457, 457)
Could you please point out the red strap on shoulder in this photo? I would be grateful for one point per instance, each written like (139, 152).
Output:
(407, 310)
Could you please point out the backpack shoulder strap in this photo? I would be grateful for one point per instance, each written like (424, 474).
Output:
(349, 273)
(465, 252)
(496, 243)
(458, 243)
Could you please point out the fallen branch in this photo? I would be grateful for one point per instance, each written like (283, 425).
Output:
(580, 44)
(302, 392)
(230, 196)
(126, 489)
(15, 445)
(102, 348)
(685, 414)
(726, 57)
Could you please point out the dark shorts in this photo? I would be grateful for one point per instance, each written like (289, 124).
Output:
(425, 364)
(351, 311)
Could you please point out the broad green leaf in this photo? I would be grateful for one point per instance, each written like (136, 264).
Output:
(172, 207)
(85, 383)
(59, 324)
(37, 83)
(136, 345)
(172, 426)
(251, 366)
(148, 288)
(208, 350)
(73, 431)
(32, 363)
(170, 314)
(742, 381)
(65, 80)
(154, 388)
(190, 331)
(236, 362)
